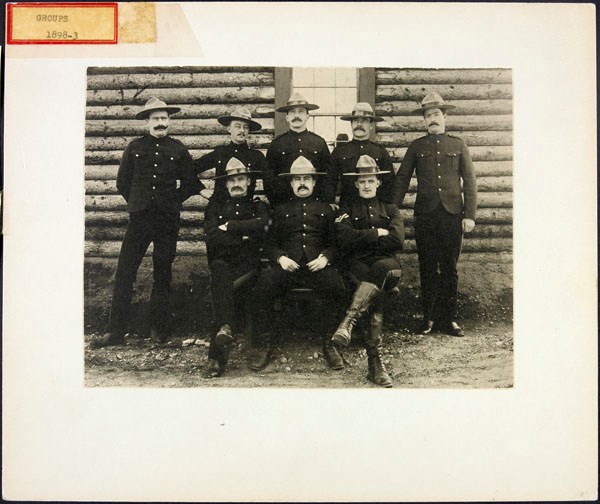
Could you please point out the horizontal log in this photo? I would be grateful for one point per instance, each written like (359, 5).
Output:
(93, 70)
(116, 202)
(453, 123)
(256, 140)
(484, 184)
(482, 168)
(109, 187)
(478, 153)
(443, 76)
(188, 111)
(187, 79)
(112, 248)
(182, 95)
(463, 107)
(196, 232)
(132, 127)
(121, 218)
(193, 248)
(471, 138)
(416, 92)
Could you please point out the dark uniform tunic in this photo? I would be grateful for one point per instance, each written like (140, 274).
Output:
(234, 252)
(283, 151)
(344, 158)
(440, 162)
(370, 257)
(147, 178)
(303, 229)
(218, 159)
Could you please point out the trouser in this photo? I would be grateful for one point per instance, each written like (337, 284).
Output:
(145, 226)
(374, 269)
(222, 276)
(439, 240)
(275, 282)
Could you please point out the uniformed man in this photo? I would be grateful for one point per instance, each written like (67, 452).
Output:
(147, 178)
(234, 229)
(239, 124)
(345, 156)
(370, 234)
(301, 246)
(442, 162)
(286, 148)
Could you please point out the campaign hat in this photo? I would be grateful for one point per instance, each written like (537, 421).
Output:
(154, 104)
(240, 114)
(235, 167)
(297, 100)
(366, 165)
(432, 100)
(362, 109)
(301, 166)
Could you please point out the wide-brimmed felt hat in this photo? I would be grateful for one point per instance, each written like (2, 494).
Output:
(241, 114)
(297, 100)
(366, 165)
(235, 167)
(301, 166)
(362, 109)
(432, 100)
(153, 105)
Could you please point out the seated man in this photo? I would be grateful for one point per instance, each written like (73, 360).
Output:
(301, 243)
(234, 229)
(371, 233)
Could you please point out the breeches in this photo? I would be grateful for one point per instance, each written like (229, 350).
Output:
(374, 269)
(146, 226)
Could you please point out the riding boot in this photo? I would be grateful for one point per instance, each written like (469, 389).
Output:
(331, 354)
(377, 372)
(262, 348)
(363, 297)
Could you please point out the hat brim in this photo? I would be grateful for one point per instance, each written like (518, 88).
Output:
(249, 173)
(226, 121)
(304, 173)
(145, 113)
(354, 174)
(420, 110)
(307, 106)
(371, 118)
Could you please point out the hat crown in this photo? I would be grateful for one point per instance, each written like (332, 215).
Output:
(302, 165)
(235, 167)
(432, 98)
(363, 109)
(242, 113)
(366, 164)
(296, 99)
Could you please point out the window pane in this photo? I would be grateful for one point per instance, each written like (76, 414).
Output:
(302, 77)
(324, 77)
(325, 99)
(325, 126)
(345, 100)
(343, 127)
(346, 77)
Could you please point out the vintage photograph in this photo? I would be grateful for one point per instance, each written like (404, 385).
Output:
(298, 227)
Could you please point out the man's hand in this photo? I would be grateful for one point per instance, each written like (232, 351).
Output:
(318, 264)
(468, 225)
(382, 232)
(288, 264)
(223, 227)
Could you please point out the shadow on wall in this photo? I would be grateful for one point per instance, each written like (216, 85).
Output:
(485, 295)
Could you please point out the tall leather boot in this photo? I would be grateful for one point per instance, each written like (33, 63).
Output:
(331, 354)
(377, 372)
(363, 297)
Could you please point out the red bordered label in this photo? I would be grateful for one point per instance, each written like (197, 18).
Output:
(62, 23)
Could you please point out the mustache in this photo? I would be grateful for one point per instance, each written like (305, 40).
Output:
(433, 123)
(302, 187)
(296, 119)
(237, 188)
(160, 127)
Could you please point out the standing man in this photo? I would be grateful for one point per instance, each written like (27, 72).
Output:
(345, 156)
(442, 162)
(301, 246)
(239, 124)
(234, 228)
(147, 178)
(286, 148)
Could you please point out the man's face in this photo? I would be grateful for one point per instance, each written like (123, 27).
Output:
(158, 123)
(296, 118)
(361, 128)
(367, 185)
(239, 131)
(303, 185)
(237, 185)
(435, 121)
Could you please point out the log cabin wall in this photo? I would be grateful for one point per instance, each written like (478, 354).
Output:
(116, 94)
(482, 118)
